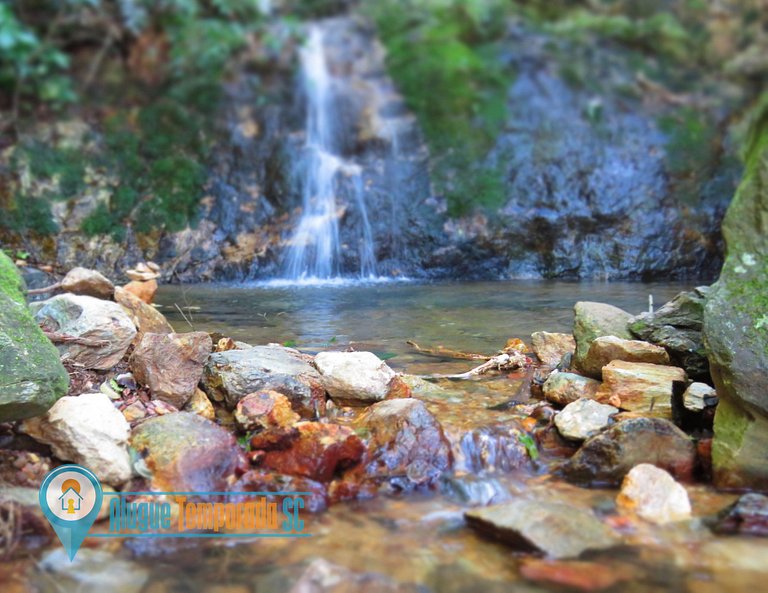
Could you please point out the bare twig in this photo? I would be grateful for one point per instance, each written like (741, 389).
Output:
(507, 361)
(441, 352)
(45, 289)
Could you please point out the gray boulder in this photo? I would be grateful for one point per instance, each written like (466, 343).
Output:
(105, 326)
(593, 320)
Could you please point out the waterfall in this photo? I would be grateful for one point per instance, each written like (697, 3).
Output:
(329, 182)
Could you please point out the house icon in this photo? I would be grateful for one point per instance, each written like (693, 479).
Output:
(70, 496)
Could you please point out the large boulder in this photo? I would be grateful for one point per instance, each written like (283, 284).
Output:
(171, 365)
(736, 327)
(31, 375)
(88, 430)
(606, 458)
(146, 318)
(186, 452)
(556, 529)
(406, 443)
(105, 328)
(231, 375)
(592, 320)
(355, 378)
(676, 327)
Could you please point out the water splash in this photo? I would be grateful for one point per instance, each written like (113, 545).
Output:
(315, 249)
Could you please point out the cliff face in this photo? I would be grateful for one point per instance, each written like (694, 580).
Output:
(611, 162)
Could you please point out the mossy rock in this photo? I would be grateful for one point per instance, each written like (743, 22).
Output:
(736, 326)
(31, 376)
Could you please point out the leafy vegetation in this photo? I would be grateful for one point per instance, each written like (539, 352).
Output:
(155, 139)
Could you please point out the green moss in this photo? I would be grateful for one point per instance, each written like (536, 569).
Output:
(11, 282)
(444, 56)
(731, 424)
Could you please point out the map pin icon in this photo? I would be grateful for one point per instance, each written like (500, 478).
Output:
(70, 497)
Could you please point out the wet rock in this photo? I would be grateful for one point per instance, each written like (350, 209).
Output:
(144, 272)
(185, 452)
(593, 320)
(653, 495)
(265, 410)
(583, 418)
(233, 374)
(677, 326)
(609, 348)
(145, 291)
(88, 430)
(146, 318)
(500, 447)
(354, 378)
(565, 388)
(407, 444)
(87, 282)
(171, 365)
(19, 508)
(91, 571)
(31, 375)
(747, 516)
(200, 404)
(576, 574)
(316, 451)
(263, 481)
(323, 577)
(134, 411)
(606, 458)
(103, 323)
(556, 529)
(474, 490)
(640, 387)
(699, 396)
(551, 347)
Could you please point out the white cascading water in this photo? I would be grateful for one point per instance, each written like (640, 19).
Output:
(315, 251)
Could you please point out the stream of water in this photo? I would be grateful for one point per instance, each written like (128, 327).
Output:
(417, 542)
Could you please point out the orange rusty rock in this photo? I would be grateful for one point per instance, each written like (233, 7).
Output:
(316, 451)
(581, 575)
(143, 290)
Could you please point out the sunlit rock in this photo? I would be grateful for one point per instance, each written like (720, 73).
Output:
(556, 529)
(551, 347)
(583, 418)
(564, 388)
(88, 430)
(606, 349)
(231, 375)
(105, 327)
(653, 494)
(593, 320)
(606, 458)
(355, 378)
(87, 282)
(186, 453)
(639, 387)
(406, 443)
(171, 365)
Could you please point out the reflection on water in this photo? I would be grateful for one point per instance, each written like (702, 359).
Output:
(420, 539)
(477, 316)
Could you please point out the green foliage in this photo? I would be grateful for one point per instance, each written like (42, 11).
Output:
(661, 33)
(30, 65)
(444, 55)
(153, 145)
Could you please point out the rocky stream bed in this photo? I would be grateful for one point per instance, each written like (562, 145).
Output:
(584, 465)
